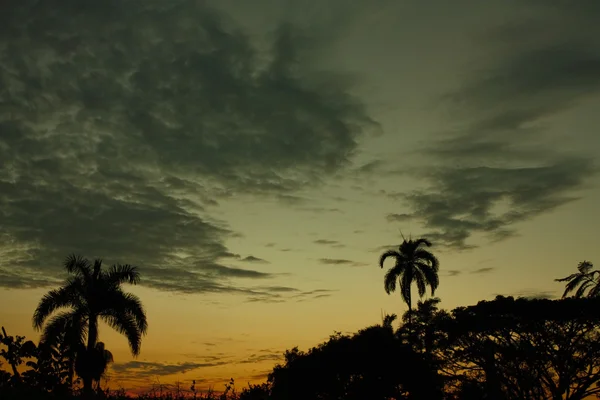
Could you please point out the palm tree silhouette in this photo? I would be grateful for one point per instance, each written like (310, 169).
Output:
(92, 294)
(413, 263)
(583, 280)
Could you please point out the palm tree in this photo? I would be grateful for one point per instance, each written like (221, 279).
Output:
(583, 280)
(91, 294)
(413, 263)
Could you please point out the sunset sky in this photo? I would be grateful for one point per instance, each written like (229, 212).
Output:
(254, 158)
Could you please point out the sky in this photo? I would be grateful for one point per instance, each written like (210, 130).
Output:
(254, 159)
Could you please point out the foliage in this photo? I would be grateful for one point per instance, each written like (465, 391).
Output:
(505, 348)
(525, 348)
(90, 294)
(412, 263)
(586, 279)
(355, 367)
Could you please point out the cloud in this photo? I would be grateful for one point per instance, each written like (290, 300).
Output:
(495, 169)
(264, 356)
(320, 210)
(256, 260)
(141, 369)
(399, 217)
(326, 242)
(452, 272)
(484, 270)
(25, 281)
(340, 261)
(123, 125)
(281, 294)
(314, 295)
(537, 294)
(533, 294)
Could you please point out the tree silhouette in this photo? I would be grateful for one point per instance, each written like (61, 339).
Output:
(525, 348)
(423, 332)
(583, 280)
(91, 294)
(352, 368)
(16, 350)
(413, 263)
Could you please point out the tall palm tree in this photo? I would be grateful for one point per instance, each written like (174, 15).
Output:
(583, 280)
(413, 263)
(90, 294)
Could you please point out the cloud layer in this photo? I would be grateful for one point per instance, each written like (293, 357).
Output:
(494, 169)
(122, 124)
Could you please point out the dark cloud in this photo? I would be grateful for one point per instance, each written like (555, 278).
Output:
(27, 280)
(494, 168)
(452, 272)
(142, 369)
(123, 124)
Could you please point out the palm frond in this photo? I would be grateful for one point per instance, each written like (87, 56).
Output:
(432, 278)
(575, 281)
(583, 287)
(76, 264)
(67, 325)
(125, 324)
(405, 283)
(427, 257)
(127, 303)
(126, 273)
(97, 268)
(389, 253)
(567, 278)
(419, 279)
(389, 281)
(65, 296)
(595, 291)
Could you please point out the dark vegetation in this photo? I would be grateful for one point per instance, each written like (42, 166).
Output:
(505, 348)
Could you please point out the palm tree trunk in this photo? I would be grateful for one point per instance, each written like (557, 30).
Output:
(409, 308)
(92, 332)
(91, 343)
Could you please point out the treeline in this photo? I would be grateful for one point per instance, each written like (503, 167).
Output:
(505, 348)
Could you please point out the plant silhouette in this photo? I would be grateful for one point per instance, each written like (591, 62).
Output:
(90, 294)
(93, 363)
(584, 279)
(413, 263)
